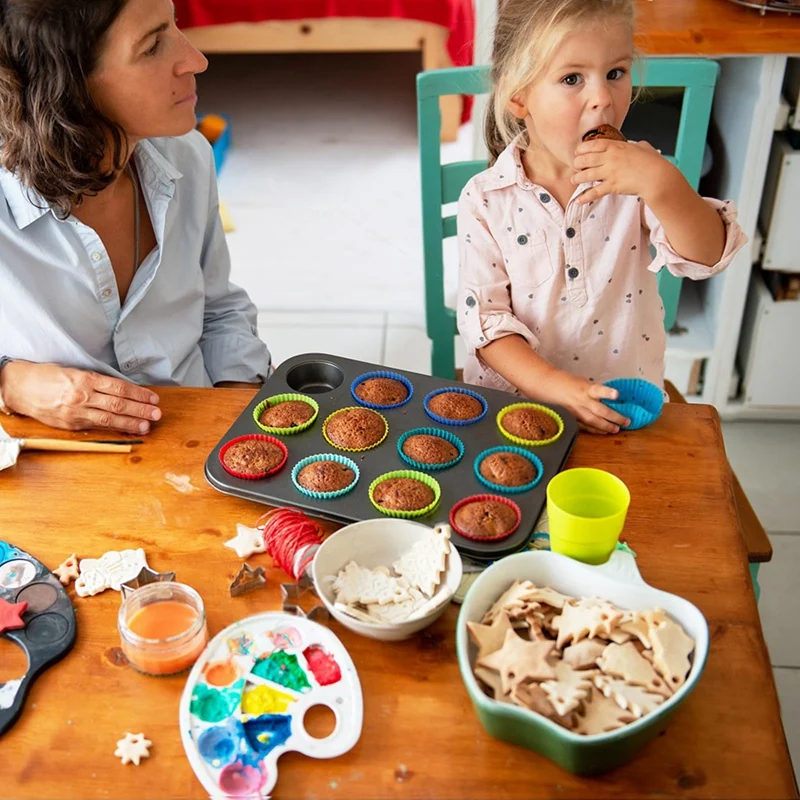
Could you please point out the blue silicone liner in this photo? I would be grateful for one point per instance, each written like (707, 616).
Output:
(324, 457)
(457, 422)
(639, 400)
(446, 435)
(496, 487)
(395, 376)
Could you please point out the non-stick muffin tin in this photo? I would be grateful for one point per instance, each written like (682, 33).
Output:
(328, 380)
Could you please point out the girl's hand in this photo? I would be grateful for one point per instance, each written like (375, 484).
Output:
(634, 168)
(582, 398)
(75, 399)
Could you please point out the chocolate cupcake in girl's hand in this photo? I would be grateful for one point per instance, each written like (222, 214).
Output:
(604, 132)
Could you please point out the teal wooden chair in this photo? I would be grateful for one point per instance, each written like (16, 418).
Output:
(442, 183)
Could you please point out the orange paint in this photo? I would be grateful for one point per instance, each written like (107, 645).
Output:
(162, 620)
(223, 673)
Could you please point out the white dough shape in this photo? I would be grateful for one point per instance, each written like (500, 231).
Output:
(356, 584)
(133, 748)
(247, 541)
(109, 571)
(423, 565)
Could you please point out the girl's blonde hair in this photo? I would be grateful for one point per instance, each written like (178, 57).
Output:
(527, 33)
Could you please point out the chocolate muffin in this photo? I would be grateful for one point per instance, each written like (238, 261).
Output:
(425, 448)
(325, 476)
(486, 519)
(252, 456)
(355, 428)
(455, 406)
(604, 132)
(403, 494)
(508, 469)
(530, 424)
(382, 391)
(289, 414)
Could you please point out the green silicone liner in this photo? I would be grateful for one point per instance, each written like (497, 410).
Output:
(354, 449)
(529, 442)
(407, 473)
(283, 398)
(325, 457)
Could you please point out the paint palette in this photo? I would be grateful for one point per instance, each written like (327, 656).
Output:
(247, 695)
(49, 631)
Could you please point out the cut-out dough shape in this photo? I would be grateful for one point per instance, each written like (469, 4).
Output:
(109, 571)
(247, 541)
(67, 570)
(133, 748)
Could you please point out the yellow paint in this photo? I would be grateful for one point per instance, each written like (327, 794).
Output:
(265, 700)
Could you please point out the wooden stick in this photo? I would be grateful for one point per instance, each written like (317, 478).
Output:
(69, 445)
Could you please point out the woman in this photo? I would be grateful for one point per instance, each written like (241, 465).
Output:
(114, 271)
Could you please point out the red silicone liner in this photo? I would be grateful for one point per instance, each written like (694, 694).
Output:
(478, 498)
(259, 475)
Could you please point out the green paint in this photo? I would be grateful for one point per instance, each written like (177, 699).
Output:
(212, 705)
(282, 667)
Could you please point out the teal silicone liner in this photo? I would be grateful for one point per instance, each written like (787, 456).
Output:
(446, 435)
(496, 487)
(325, 457)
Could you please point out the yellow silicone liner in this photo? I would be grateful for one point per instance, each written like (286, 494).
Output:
(529, 442)
(406, 473)
(285, 398)
(354, 449)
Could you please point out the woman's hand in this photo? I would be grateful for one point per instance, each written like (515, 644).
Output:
(582, 398)
(634, 168)
(75, 399)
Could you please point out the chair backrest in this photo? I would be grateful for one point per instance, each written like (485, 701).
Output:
(442, 183)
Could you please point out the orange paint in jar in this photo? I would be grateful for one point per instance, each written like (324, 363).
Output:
(163, 628)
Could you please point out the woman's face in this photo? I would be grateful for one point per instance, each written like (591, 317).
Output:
(144, 80)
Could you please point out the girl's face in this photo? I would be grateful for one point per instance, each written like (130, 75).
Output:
(144, 80)
(587, 83)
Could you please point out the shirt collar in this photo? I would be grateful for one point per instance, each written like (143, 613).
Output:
(27, 205)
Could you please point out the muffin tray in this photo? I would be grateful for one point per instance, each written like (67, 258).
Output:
(327, 379)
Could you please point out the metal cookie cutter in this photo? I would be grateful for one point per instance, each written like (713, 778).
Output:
(294, 591)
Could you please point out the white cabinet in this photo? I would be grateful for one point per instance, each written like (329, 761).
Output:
(768, 350)
(780, 211)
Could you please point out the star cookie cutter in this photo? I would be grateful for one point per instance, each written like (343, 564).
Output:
(294, 591)
(145, 576)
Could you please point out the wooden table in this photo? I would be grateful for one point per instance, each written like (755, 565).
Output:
(421, 737)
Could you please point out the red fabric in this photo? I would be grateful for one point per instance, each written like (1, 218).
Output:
(456, 15)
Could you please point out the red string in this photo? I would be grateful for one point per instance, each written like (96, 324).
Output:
(287, 531)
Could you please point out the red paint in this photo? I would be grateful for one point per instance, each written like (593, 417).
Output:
(11, 615)
(323, 666)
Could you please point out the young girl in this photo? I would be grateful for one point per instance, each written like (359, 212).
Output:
(557, 290)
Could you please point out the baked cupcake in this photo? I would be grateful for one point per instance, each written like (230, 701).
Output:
(253, 456)
(355, 428)
(286, 414)
(325, 476)
(403, 494)
(529, 423)
(507, 469)
(604, 132)
(485, 518)
(457, 407)
(424, 448)
(381, 389)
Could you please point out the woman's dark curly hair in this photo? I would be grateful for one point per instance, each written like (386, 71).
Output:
(51, 133)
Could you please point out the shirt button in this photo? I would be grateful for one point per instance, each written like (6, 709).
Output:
(573, 272)
(522, 239)
(96, 256)
(128, 364)
(570, 232)
(544, 197)
(106, 292)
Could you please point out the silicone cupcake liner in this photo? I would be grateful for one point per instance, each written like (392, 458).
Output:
(496, 487)
(261, 438)
(406, 473)
(353, 449)
(457, 422)
(395, 376)
(480, 498)
(639, 400)
(283, 398)
(529, 442)
(325, 457)
(446, 435)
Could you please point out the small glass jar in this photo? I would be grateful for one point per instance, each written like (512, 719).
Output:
(163, 628)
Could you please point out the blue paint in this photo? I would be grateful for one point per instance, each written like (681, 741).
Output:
(218, 745)
(267, 732)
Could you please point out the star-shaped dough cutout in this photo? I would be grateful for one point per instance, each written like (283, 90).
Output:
(11, 615)
(489, 637)
(133, 748)
(67, 570)
(518, 660)
(247, 541)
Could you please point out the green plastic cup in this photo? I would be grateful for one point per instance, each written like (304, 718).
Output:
(587, 509)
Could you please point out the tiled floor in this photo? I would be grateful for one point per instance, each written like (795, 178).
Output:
(322, 183)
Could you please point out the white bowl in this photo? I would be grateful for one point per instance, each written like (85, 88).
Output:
(378, 543)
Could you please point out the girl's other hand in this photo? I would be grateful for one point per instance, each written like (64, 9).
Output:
(634, 168)
(75, 399)
(582, 398)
